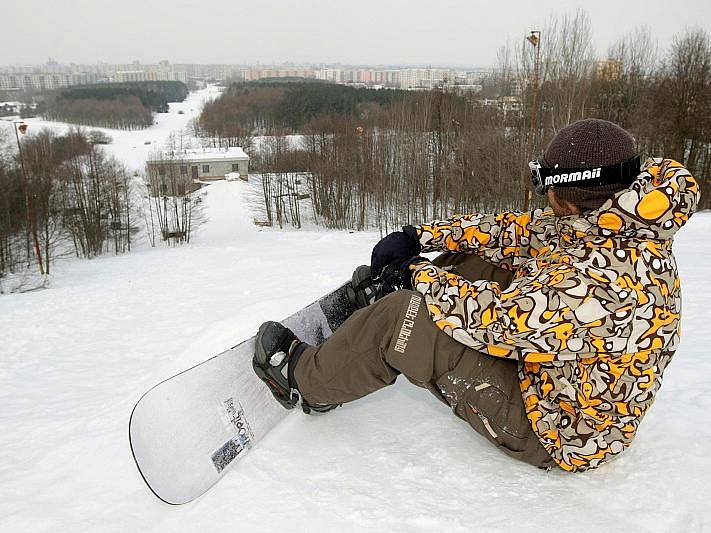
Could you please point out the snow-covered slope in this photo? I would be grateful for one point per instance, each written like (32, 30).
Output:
(75, 358)
(134, 147)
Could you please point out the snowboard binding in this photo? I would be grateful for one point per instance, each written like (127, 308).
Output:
(276, 353)
(366, 289)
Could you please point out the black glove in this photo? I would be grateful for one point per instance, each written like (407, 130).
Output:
(394, 249)
(398, 275)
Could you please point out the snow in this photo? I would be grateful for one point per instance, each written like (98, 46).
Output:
(75, 358)
(133, 148)
(233, 152)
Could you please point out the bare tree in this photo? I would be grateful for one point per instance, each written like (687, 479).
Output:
(622, 81)
(172, 204)
(689, 80)
(566, 66)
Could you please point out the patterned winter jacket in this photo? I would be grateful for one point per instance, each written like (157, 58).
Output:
(592, 315)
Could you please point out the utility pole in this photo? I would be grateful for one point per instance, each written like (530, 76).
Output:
(534, 37)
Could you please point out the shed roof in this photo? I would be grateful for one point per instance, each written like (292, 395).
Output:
(234, 153)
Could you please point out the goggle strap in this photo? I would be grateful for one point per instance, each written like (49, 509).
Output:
(620, 173)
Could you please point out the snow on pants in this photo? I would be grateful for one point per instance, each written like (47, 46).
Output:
(396, 336)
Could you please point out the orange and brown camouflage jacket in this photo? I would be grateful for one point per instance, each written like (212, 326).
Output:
(593, 312)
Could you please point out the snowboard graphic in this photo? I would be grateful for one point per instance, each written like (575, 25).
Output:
(186, 431)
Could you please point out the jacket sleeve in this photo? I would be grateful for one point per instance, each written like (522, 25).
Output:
(530, 321)
(504, 238)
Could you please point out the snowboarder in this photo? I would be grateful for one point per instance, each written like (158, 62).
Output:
(547, 331)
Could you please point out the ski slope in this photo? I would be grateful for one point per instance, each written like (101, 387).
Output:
(76, 357)
(132, 147)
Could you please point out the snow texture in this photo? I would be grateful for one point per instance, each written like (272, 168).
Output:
(76, 357)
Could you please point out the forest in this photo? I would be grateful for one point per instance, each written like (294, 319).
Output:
(404, 158)
(62, 195)
(114, 105)
(65, 195)
(267, 107)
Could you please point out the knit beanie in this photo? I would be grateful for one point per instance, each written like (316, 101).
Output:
(584, 144)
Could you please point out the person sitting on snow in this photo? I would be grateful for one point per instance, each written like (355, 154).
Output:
(548, 332)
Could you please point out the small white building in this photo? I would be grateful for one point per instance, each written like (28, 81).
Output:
(215, 165)
(203, 165)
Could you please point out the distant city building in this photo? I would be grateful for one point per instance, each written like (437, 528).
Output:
(130, 75)
(53, 75)
(407, 78)
(259, 73)
(463, 89)
(149, 75)
(43, 81)
(334, 75)
(510, 104)
(608, 69)
(507, 104)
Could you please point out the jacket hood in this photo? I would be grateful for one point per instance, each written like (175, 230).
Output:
(655, 206)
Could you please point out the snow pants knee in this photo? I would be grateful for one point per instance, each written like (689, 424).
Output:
(395, 335)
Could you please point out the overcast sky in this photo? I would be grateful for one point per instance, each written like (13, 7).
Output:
(437, 32)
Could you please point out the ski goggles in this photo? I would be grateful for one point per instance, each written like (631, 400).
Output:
(543, 178)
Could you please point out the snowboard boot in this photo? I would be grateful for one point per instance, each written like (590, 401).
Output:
(277, 350)
(364, 290)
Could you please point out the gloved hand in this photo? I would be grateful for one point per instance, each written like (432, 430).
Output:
(397, 275)
(394, 249)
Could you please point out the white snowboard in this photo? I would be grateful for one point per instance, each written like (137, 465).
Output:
(188, 430)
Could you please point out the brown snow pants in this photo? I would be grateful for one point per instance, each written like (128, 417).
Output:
(395, 335)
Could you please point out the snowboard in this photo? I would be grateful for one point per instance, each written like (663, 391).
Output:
(186, 432)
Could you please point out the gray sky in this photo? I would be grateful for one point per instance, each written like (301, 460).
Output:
(444, 32)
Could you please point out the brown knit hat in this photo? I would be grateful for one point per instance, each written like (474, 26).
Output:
(589, 143)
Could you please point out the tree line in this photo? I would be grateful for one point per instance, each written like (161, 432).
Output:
(663, 97)
(431, 154)
(153, 94)
(114, 105)
(268, 107)
(124, 112)
(62, 195)
(418, 159)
